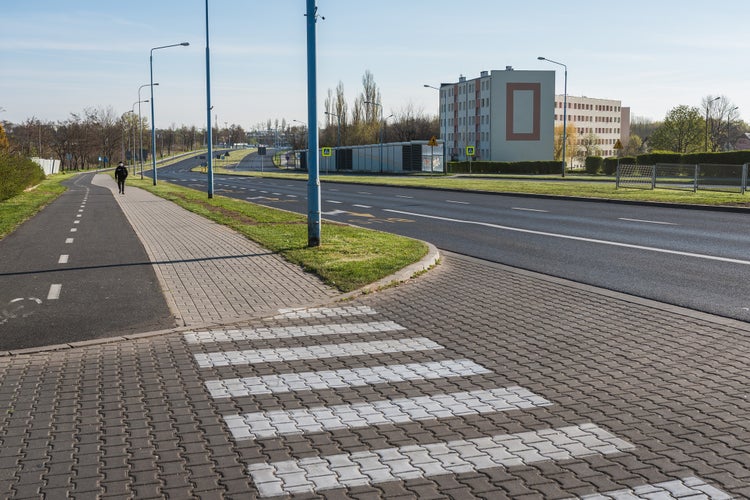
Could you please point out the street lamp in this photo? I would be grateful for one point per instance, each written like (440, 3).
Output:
(140, 127)
(153, 123)
(338, 129)
(440, 129)
(708, 106)
(136, 127)
(565, 109)
(381, 130)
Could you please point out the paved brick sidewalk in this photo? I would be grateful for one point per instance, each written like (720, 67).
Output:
(473, 381)
(209, 273)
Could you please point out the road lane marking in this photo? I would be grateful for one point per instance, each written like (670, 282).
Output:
(529, 209)
(76, 222)
(334, 201)
(689, 487)
(577, 238)
(325, 312)
(362, 468)
(286, 332)
(54, 292)
(404, 196)
(458, 202)
(337, 379)
(73, 229)
(63, 259)
(363, 192)
(648, 221)
(254, 356)
(362, 206)
(269, 424)
(68, 241)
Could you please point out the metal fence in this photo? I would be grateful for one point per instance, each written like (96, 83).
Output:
(706, 177)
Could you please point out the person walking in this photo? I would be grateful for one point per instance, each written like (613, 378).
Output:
(121, 173)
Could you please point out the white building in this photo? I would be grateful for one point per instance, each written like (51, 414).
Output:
(505, 115)
(603, 120)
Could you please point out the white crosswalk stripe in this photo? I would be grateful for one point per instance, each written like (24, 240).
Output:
(687, 488)
(268, 424)
(313, 474)
(325, 472)
(253, 356)
(335, 379)
(290, 332)
(325, 312)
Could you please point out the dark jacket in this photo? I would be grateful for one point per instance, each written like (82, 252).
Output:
(121, 173)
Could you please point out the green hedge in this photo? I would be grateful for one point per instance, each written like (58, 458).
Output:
(506, 167)
(723, 158)
(593, 164)
(16, 174)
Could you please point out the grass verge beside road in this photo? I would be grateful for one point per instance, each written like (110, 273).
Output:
(347, 259)
(571, 186)
(15, 211)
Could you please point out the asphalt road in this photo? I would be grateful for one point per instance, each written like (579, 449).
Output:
(76, 272)
(687, 257)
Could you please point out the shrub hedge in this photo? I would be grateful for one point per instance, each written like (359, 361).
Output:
(594, 164)
(16, 174)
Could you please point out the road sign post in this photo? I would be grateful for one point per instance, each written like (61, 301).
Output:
(470, 154)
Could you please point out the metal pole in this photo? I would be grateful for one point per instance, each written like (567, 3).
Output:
(565, 111)
(153, 124)
(313, 180)
(209, 140)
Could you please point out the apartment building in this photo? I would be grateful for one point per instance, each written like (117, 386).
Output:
(510, 115)
(601, 121)
(504, 115)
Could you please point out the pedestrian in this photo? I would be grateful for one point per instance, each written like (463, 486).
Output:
(121, 173)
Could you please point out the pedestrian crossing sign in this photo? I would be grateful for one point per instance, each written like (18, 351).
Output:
(469, 150)
(327, 151)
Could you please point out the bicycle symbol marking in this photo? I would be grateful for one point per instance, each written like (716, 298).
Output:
(22, 307)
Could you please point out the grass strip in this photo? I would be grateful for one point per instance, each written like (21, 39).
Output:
(15, 211)
(348, 257)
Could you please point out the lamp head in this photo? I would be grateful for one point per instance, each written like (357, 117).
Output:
(542, 58)
(185, 44)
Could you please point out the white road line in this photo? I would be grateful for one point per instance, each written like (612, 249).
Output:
(362, 206)
(336, 379)
(80, 211)
(285, 332)
(325, 312)
(54, 292)
(253, 356)
(577, 238)
(404, 196)
(417, 461)
(268, 424)
(291, 196)
(76, 222)
(458, 202)
(648, 221)
(73, 229)
(689, 487)
(363, 192)
(68, 241)
(79, 215)
(334, 202)
(63, 259)
(529, 209)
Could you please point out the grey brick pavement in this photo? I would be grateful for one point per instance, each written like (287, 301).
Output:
(645, 401)
(209, 273)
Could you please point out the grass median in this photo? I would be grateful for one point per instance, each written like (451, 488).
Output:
(348, 257)
(572, 186)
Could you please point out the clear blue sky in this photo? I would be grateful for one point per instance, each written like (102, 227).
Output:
(59, 57)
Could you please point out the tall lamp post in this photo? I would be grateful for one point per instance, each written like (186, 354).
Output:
(209, 139)
(708, 106)
(440, 121)
(338, 128)
(565, 110)
(140, 127)
(153, 123)
(381, 131)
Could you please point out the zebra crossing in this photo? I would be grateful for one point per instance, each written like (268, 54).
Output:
(400, 463)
